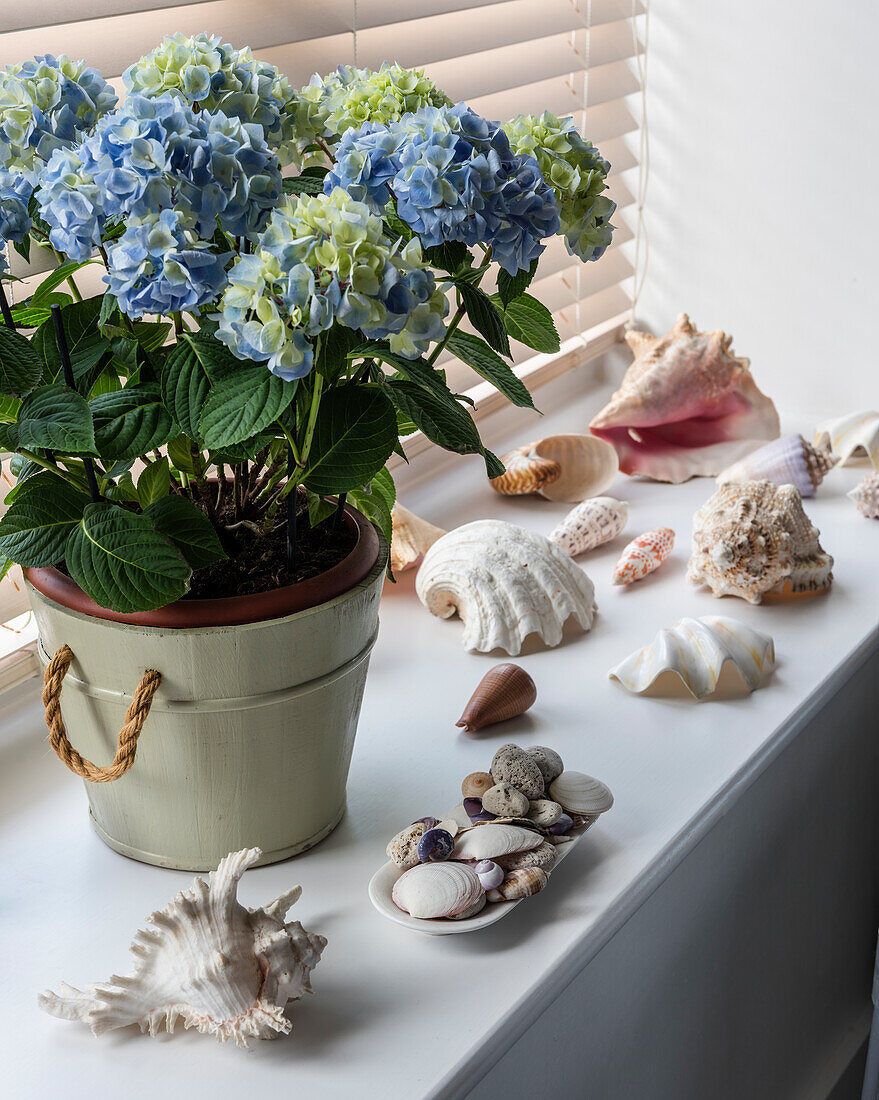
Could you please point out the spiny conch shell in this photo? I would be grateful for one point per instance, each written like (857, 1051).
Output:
(753, 540)
(788, 460)
(521, 883)
(490, 841)
(696, 650)
(224, 969)
(505, 583)
(566, 468)
(581, 794)
(850, 437)
(589, 524)
(686, 407)
(411, 538)
(437, 890)
(643, 555)
(866, 496)
(505, 691)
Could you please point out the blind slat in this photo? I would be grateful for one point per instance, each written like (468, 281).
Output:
(562, 93)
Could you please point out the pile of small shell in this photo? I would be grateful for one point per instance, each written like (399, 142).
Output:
(500, 844)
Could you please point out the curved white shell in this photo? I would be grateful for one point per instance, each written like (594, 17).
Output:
(696, 650)
(566, 468)
(788, 460)
(591, 523)
(580, 794)
(492, 841)
(224, 969)
(412, 537)
(505, 583)
(866, 496)
(437, 890)
(851, 436)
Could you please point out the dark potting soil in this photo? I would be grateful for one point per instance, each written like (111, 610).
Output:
(258, 563)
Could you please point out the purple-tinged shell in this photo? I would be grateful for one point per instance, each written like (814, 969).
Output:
(473, 809)
(563, 825)
(788, 460)
(490, 874)
(427, 822)
(435, 846)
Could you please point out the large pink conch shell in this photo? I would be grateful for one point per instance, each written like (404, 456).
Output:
(686, 407)
(643, 554)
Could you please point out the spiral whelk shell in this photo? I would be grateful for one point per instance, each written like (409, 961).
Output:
(590, 524)
(754, 539)
(411, 538)
(504, 583)
(851, 437)
(696, 650)
(565, 468)
(788, 460)
(866, 496)
(208, 961)
(643, 555)
(504, 692)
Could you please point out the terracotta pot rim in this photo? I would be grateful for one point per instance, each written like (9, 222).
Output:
(229, 610)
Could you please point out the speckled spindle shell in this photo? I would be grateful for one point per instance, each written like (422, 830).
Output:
(643, 555)
(590, 524)
(505, 691)
(521, 883)
(866, 496)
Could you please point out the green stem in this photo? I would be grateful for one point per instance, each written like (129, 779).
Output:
(177, 318)
(452, 325)
(312, 421)
(38, 460)
(70, 282)
(289, 437)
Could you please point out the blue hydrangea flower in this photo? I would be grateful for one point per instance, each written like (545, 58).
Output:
(46, 104)
(15, 192)
(154, 155)
(325, 259)
(203, 70)
(160, 266)
(454, 178)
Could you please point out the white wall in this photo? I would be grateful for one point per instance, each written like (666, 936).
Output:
(763, 204)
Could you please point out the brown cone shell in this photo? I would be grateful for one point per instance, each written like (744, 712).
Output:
(503, 692)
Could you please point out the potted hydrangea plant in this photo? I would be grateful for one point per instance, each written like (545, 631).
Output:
(202, 506)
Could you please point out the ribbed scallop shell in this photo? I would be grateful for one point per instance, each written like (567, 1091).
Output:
(437, 890)
(590, 524)
(505, 691)
(504, 583)
(226, 970)
(850, 437)
(578, 793)
(866, 496)
(643, 555)
(560, 467)
(412, 537)
(788, 460)
(755, 539)
(491, 841)
(696, 650)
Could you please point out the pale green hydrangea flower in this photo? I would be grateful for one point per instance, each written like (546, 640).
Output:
(577, 173)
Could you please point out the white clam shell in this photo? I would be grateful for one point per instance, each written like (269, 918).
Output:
(590, 524)
(696, 650)
(850, 437)
(492, 841)
(437, 890)
(208, 961)
(505, 583)
(580, 794)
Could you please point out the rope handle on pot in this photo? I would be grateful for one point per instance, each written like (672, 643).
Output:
(135, 717)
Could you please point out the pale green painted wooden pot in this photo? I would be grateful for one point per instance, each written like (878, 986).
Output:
(249, 737)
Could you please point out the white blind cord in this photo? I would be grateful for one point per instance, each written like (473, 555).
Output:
(642, 242)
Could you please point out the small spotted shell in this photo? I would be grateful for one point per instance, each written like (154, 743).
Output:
(591, 523)
(643, 554)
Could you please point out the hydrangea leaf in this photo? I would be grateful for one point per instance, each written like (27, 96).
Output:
(355, 433)
(484, 316)
(20, 366)
(188, 528)
(34, 530)
(131, 422)
(487, 363)
(57, 418)
(512, 286)
(241, 404)
(530, 322)
(84, 340)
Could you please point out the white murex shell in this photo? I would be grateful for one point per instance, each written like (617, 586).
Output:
(696, 650)
(493, 841)
(433, 890)
(226, 970)
(505, 583)
(590, 524)
(850, 437)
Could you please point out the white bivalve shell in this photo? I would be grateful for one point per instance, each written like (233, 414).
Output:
(437, 890)
(224, 969)
(578, 793)
(505, 583)
(696, 650)
(850, 437)
(493, 841)
(566, 468)
(592, 523)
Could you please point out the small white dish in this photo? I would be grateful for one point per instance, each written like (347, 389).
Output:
(382, 882)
